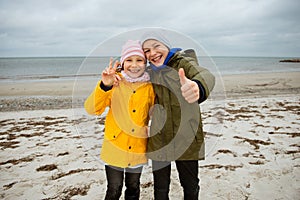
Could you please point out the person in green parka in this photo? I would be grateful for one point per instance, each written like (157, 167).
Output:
(176, 132)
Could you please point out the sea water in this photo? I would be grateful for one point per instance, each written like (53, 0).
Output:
(246, 65)
(56, 68)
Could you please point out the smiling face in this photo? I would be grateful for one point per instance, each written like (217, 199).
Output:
(134, 66)
(155, 51)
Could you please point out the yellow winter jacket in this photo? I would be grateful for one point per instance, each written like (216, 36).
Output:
(125, 137)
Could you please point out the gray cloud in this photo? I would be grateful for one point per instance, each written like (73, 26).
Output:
(223, 27)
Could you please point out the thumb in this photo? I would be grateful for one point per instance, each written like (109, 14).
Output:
(182, 76)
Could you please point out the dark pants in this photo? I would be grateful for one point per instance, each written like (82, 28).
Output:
(115, 177)
(188, 176)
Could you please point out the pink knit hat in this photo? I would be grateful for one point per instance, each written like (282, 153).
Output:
(131, 48)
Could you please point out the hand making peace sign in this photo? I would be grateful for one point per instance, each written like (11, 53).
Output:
(109, 76)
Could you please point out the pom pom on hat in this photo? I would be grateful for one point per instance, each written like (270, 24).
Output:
(131, 48)
(156, 35)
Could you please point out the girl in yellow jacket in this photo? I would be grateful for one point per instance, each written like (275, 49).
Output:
(125, 138)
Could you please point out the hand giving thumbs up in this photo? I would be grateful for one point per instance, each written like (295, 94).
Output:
(189, 88)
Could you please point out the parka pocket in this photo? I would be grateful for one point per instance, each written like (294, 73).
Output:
(196, 127)
(112, 131)
(112, 135)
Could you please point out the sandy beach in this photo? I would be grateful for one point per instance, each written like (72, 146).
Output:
(50, 147)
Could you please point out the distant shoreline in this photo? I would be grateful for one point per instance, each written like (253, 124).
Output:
(60, 68)
(290, 60)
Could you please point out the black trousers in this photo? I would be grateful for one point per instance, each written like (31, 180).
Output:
(115, 178)
(188, 176)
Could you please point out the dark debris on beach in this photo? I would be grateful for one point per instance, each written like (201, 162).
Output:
(38, 103)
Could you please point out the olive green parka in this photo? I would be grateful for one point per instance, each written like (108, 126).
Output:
(176, 131)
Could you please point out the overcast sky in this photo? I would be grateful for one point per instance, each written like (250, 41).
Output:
(222, 27)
